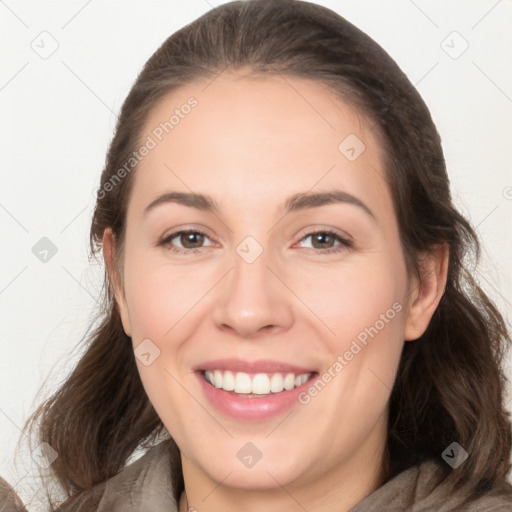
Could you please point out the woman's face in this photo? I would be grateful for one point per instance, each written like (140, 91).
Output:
(252, 295)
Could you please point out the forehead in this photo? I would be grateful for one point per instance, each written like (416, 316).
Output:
(259, 136)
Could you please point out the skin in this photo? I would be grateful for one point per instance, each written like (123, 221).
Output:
(251, 142)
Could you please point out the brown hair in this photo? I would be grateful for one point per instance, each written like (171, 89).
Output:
(450, 382)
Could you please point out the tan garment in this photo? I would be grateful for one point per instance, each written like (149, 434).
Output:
(145, 486)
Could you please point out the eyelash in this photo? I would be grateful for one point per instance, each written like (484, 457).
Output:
(343, 245)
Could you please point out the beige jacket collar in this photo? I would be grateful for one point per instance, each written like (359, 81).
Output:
(146, 486)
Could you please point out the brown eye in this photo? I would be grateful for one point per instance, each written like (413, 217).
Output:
(322, 240)
(327, 241)
(185, 241)
(191, 240)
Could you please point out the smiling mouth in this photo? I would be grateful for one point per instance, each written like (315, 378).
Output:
(257, 384)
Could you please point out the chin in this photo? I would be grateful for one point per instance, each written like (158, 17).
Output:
(261, 465)
(261, 477)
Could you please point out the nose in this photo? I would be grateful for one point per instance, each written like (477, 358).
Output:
(252, 301)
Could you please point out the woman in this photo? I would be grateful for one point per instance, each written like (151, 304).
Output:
(288, 324)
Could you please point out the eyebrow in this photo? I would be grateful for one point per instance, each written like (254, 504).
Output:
(296, 202)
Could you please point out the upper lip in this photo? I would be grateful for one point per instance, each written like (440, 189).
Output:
(259, 366)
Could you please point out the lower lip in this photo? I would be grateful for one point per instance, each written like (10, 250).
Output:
(251, 408)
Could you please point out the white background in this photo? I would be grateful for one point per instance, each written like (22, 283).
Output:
(58, 116)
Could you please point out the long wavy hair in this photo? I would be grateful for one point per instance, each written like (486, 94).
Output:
(450, 382)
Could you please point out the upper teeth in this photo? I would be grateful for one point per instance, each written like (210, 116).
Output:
(260, 383)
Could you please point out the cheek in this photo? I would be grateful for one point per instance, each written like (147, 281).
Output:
(364, 309)
(354, 298)
(160, 301)
(160, 297)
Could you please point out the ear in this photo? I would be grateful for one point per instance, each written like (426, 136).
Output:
(115, 279)
(427, 292)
